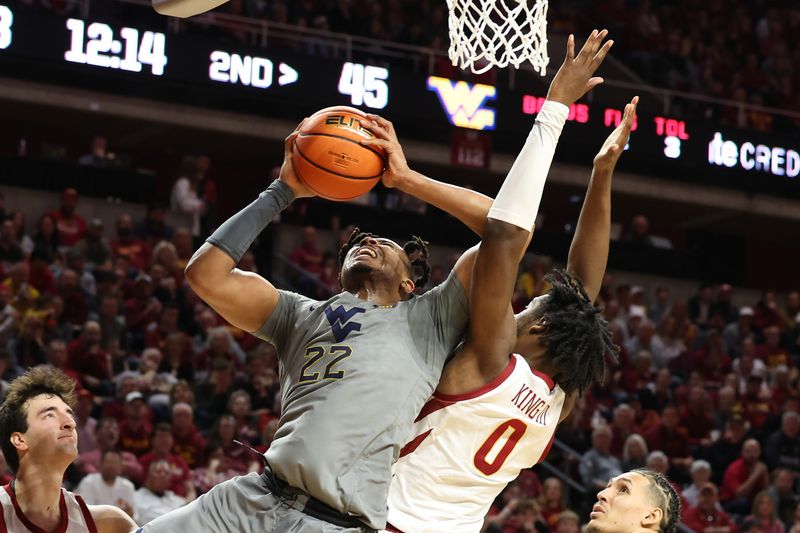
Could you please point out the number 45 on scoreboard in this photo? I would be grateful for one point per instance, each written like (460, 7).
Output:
(365, 85)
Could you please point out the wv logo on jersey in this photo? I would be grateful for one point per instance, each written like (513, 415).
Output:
(339, 319)
(464, 103)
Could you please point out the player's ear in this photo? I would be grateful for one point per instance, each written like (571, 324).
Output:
(19, 442)
(407, 286)
(653, 518)
(537, 327)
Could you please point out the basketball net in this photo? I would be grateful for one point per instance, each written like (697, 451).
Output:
(487, 33)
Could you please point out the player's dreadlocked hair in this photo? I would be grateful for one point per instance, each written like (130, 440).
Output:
(664, 497)
(577, 337)
(416, 249)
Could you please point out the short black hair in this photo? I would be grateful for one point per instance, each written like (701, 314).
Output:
(578, 339)
(664, 496)
(13, 416)
(416, 249)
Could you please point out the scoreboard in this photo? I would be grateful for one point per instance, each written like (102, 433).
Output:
(280, 80)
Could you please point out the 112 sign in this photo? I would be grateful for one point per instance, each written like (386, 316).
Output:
(95, 45)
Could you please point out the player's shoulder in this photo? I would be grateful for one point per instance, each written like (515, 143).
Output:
(110, 519)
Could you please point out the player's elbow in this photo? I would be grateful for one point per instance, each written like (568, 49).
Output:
(504, 235)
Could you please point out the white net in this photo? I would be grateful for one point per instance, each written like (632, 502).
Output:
(487, 33)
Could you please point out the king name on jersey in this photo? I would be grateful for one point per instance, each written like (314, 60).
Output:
(532, 405)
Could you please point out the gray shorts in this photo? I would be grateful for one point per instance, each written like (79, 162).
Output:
(242, 504)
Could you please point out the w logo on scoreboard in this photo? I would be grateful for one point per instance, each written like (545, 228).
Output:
(464, 103)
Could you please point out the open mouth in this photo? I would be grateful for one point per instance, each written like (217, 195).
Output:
(366, 251)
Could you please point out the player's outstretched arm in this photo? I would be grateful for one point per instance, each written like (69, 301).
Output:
(492, 330)
(470, 207)
(588, 253)
(244, 299)
(110, 519)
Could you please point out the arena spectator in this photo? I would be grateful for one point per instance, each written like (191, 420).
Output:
(634, 452)
(189, 445)
(218, 469)
(597, 465)
(141, 309)
(782, 492)
(695, 417)
(240, 407)
(621, 427)
(153, 228)
(71, 226)
(154, 498)
(670, 439)
(89, 360)
(21, 237)
(127, 245)
(763, 514)
(743, 479)
(735, 332)
(107, 437)
(706, 516)
(782, 448)
(85, 423)
(94, 246)
(98, 156)
(187, 195)
(108, 486)
(771, 351)
(181, 482)
(135, 430)
(552, 501)
(701, 475)
(47, 238)
(10, 249)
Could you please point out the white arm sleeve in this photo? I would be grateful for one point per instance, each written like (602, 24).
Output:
(518, 200)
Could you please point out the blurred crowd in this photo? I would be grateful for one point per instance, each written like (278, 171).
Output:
(705, 390)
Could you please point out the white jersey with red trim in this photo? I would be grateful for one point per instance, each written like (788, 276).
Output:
(75, 515)
(465, 449)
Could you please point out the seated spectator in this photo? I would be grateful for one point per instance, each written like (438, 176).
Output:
(224, 432)
(634, 452)
(108, 486)
(701, 305)
(782, 448)
(85, 423)
(701, 475)
(763, 514)
(28, 349)
(153, 228)
(89, 360)
(597, 465)
(621, 427)
(107, 437)
(568, 522)
(639, 375)
(755, 402)
(97, 157)
(154, 498)
(112, 323)
(639, 234)
(707, 516)
(727, 448)
(766, 312)
(735, 332)
(23, 295)
(9, 316)
(670, 439)
(76, 309)
(182, 239)
(135, 430)
(771, 351)
(246, 427)
(10, 249)
(127, 245)
(727, 405)
(47, 239)
(744, 478)
(218, 469)
(71, 226)
(41, 277)
(94, 246)
(552, 500)
(695, 417)
(181, 482)
(188, 443)
(783, 494)
(24, 240)
(142, 309)
(178, 361)
(187, 197)
(308, 257)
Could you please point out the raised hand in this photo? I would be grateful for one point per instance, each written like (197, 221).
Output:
(385, 137)
(606, 159)
(288, 175)
(574, 78)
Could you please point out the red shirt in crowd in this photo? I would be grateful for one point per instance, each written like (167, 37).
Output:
(189, 447)
(135, 440)
(698, 520)
(180, 471)
(135, 250)
(673, 443)
(71, 228)
(736, 474)
(89, 361)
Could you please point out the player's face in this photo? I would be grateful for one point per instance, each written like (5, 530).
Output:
(375, 255)
(51, 430)
(622, 506)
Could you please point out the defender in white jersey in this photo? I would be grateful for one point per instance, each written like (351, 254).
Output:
(495, 414)
(39, 441)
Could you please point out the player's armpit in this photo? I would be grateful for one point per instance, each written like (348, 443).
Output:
(110, 519)
(244, 299)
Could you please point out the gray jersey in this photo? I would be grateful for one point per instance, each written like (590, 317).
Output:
(354, 376)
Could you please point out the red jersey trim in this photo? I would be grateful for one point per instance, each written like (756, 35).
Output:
(87, 516)
(3, 528)
(33, 528)
(544, 377)
(496, 382)
(390, 527)
(414, 443)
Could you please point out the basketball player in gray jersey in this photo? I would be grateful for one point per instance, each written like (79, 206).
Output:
(355, 370)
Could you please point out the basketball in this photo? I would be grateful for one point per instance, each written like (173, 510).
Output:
(329, 159)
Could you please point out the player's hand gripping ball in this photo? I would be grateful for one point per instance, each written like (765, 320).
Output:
(329, 158)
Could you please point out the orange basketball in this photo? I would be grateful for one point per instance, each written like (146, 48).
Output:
(328, 157)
